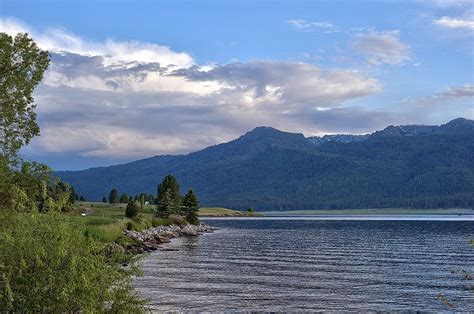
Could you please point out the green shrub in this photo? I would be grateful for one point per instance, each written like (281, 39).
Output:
(132, 209)
(155, 222)
(177, 220)
(49, 264)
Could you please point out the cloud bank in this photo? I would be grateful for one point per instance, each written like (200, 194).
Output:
(127, 100)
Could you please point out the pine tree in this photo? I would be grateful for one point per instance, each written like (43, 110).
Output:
(132, 209)
(165, 205)
(142, 199)
(72, 195)
(169, 183)
(104, 199)
(191, 207)
(123, 199)
(113, 197)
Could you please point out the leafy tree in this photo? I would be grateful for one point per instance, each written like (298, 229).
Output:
(104, 199)
(113, 197)
(22, 65)
(250, 209)
(165, 205)
(132, 209)
(123, 199)
(52, 266)
(169, 183)
(191, 207)
(82, 199)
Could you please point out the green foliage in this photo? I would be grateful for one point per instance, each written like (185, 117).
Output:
(177, 220)
(113, 197)
(139, 223)
(169, 184)
(22, 65)
(250, 209)
(30, 187)
(132, 209)
(104, 199)
(48, 264)
(123, 199)
(166, 205)
(191, 207)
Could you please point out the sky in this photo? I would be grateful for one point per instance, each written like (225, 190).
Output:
(134, 79)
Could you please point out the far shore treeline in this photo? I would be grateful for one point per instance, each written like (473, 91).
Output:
(168, 202)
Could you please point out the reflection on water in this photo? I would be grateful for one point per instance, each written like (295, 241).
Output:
(290, 265)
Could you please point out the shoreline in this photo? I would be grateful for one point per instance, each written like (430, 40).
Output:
(356, 217)
(151, 239)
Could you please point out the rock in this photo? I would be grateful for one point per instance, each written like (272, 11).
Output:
(150, 239)
(151, 246)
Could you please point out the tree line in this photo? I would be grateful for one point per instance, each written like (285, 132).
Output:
(168, 201)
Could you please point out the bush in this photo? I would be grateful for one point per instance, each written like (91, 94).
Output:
(155, 222)
(132, 209)
(49, 264)
(177, 220)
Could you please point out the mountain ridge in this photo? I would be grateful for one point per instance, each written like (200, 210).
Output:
(270, 169)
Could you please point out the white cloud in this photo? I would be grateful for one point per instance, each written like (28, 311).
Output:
(450, 22)
(55, 40)
(97, 100)
(310, 26)
(382, 47)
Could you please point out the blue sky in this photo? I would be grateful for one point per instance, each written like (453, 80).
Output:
(132, 79)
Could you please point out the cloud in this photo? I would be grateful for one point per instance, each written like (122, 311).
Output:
(309, 26)
(451, 95)
(117, 111)
(455, 23)
(106, 104)
(382, 47)
(57, 40)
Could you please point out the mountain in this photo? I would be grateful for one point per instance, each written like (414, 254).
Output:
(400, 166)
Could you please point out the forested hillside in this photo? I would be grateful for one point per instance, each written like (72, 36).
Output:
(400, 166)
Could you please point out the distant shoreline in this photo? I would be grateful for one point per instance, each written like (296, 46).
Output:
(373, 211)
(459, 218)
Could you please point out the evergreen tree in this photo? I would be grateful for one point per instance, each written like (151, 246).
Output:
(169, 183)
(72, 195)
(191, 207)
(132, 209)
(82, 199)
(165, 205)
(142, 199)
(151, 199)
(123, 199)
(113, 197)
(104, 199)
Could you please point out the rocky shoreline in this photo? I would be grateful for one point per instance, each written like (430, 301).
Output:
(151, 239)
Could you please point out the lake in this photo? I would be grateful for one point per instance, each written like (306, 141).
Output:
(295, 264)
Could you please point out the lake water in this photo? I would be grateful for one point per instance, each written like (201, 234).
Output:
(313, 264)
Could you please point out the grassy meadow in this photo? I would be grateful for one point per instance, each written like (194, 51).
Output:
(106, 222)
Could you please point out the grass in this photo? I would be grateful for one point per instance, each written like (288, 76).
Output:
(223, 212)
(375, 211)
(106, 222)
